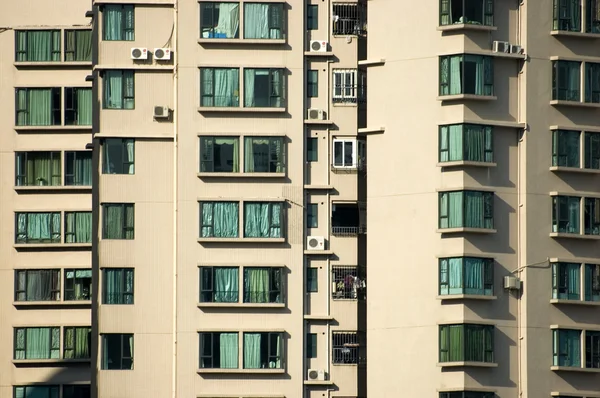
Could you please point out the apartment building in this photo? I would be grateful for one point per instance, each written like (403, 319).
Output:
(45, 199)
(228, 200)
(492, 132)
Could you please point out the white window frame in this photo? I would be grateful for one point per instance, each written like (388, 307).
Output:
(346, 90)
(358, 153)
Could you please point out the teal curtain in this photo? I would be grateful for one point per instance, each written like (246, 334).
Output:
(263, 155)
(118, 221)
(38, 228)
(474, 143)
(119, 90)
(118, 286)
(455, 75)
(452, 203)
(78, 228)
(38, 46)
(220, 87)
(451, 343)
(78, 45)
(118, 22)
(84, 106)
(444, 75)
(38, 343)
(567, 347)
(81, 167)
(226, 281)
(252, 351)
(219, 219)
(455, 142)
(474, 275)
(228, 350)
(455, 276)
(38, 168)
(474, 209)
(35, 107)
(262, 220)
(225, 26)
(37, 392)
(263, 21)
(256, 285)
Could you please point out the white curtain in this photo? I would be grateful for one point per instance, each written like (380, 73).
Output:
(229, 19)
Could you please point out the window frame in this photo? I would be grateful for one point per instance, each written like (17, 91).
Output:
(75, 281)
(271, 18)
(124, 155)
(557, 353)
(55, 106)
(348, 86)
(487, 353)
(488, 145)
(202, 203)
(272, 162)
(210, 270)
(71, 92)
(312, 215)
(72, 234)
(51, 343)
(122, 300)
(273, 290)
(273, 99)
(211, 356)
(123, 8)
(52, 389)
(358, 151)
(104, 348)
(207, 154)
(75, 390)
(561, 281)
(71, 156)
(72, 52)
(53, 50)
(558, 202)
(352, 345)
(487, 62)
(487, 12)
(66, 347)
(487, 272)
(124, 227)
(312, 279)
(562, 6)
(311, 345)
(591, 147)
(21, 158)
(560, 67)
(272, 224)
(204, 70)
(125, 75)
(560, 147)
(312, 17)
(591, 216)
(488, 209)
(55, 290)
(312, 83)
(54, 239)
(271, 351)
(592, 349)
(312, 149)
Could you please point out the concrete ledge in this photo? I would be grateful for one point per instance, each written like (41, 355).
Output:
(466, 230)
(467, 97)
(466, 163)
(465, 297)
(239, 109)
(467, 364)
(241, 240)
(466, 26)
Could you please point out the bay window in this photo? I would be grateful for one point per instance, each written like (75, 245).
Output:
(466, 142)
(466, 343)
(466, 209)
(219, 219)
(466, 74)
(466, 275)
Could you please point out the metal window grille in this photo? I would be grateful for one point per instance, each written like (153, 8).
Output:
(349, 19)
(347, 347)
(349, 283)
(349, 86)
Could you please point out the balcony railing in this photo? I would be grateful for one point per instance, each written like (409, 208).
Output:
(348, 231)
(349, 168)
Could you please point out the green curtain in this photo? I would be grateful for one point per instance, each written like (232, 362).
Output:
(263, 21)
(455, 76)
(474, 343)
(228, 350)
(38, 168)
(256, 285)
(118, 286)
(592, 274)
(81, 166)
(38, 227)
(474, 209)
(226, 282)
(474, 278)
(263, 88)
(78, 45)
(455, 209)
(118, 221)
(77, 343)
(451, 343)
(84, 106)
(37, 392)
(220, 87)
(118, 22)
(567, 347)
(39, 343)
(34, 107)
(38, 46)
(263, 155)
(119, 89)
(252, 351)
(38, 285)
(262, 220)
(455, 143)
(474, 143)
(78, 227)
(219, 219)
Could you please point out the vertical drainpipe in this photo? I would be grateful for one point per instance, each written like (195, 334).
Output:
(175, 116)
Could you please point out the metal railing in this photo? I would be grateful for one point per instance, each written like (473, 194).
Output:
(348, 283)
(348, 231)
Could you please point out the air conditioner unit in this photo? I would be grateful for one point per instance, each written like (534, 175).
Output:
(515, 49)
(139, 53)
(512, 283)
(318, 46)
(161, 112)
(316, 374)
(315, 243)
(501, 47)
(162, 54)
(316, 114)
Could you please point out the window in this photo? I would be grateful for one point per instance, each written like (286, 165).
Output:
(219, 20)
(76, 391)
(311, 345)
(263, 220)
(566, 281)
(220, 87)
(565, 148)
(78, 227)
(264, 155)
(38, 168)
(348, 153)
(78, 168)
(262, 285)
(312, 83)
(345, 348)
(466, 74)
(264, 88)
(348, 219)
(37, 228)
(348, 283)
(37, 343)
(466, 209)
(591, 150)
(219, 154)
(37, 45)
(78, 284)
(592, 349)
(77, 342)
(263, 21)
(592, 21)
(117, 351)
(117, 285)
(566, 211)
(566, 77)
(466, 142)
(466, 275)
(37, 285)
(263, 351)
(349, 19)
(566, 347)
(312, 215)
(118, 221)
(592, 282)
(219, 284)
(312, 17)
(592, 82)
(466, 343)
(37, 392)
(349, 86)
(38, 106)
(467, 394)
(567, 15)
(118, 22)
(78, 45)
(118, 156)
(312, 280)
(312, 149)
(475, 12)
(119, 89)
(219, 350)
(591, 220)
(78, 106)
(219, 219)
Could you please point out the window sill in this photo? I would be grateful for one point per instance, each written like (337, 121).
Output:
(239, 109)
(51, 245)
(318, 122)
(575, 302)
(465, 297)
(318, 53)
(48, 361)
(574, 369)
(318, 317)
(574, 170)
(467, 97)
(239, 41)
(318, 382)
(577, 104)
(241, 175)
(345, 104)
(241, 240)
(318, 252)
(29, 188)
(582, 35)
(573, 236)
(466, 230)
(242, 371)
(37, 128)
(466, 163)
(81, 303)
(318, 187)
(241, 305)
(467, 364)
(466, 26)
(50, 63)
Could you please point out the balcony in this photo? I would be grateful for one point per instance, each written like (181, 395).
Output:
(348, 219)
